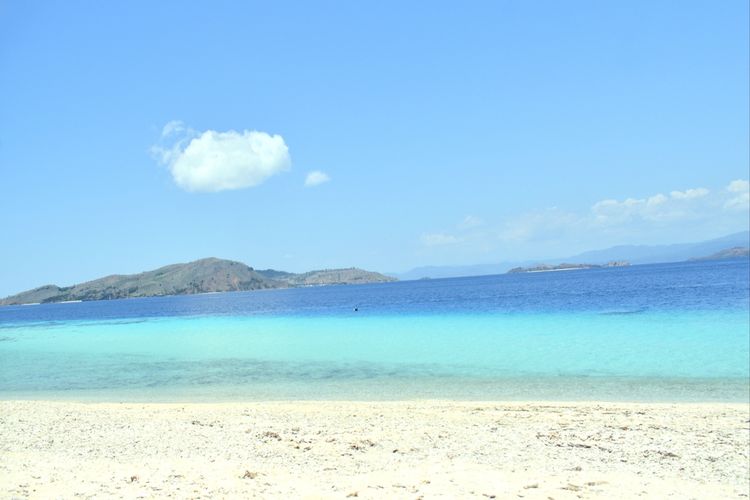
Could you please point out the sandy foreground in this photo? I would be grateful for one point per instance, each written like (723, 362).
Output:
(421, 449)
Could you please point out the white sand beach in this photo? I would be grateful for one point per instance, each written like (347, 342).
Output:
(423, 449)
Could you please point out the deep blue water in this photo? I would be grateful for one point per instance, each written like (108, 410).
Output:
(655, 332)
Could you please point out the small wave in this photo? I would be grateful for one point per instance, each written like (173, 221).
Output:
(113, 322)
(623, 313)
(24, 325)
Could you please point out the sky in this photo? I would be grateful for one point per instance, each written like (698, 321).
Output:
(384, 135)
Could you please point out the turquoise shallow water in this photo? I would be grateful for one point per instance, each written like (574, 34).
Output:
(429, 350)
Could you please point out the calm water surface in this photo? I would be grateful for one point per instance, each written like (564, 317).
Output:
(670, 332)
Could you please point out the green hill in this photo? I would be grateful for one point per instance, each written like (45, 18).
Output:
(349, 276)
(200, 276)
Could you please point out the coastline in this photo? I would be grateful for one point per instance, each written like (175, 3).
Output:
(375, 449)
(597, 389)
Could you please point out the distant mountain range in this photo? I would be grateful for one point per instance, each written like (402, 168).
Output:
(200, 276)
(635, 254)
(644, 254)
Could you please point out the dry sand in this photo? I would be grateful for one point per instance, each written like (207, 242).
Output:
(374, 450)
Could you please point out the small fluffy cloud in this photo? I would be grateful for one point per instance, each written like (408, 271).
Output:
(738, 186)
(657, 199)
(740, 195)
(216, 161)
(316, 178)
(689, 194)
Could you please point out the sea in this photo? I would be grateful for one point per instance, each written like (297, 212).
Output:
(665, 332)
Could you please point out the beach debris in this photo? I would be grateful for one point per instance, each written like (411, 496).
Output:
(362, 444)
(577, 445)
(133, 479)
(531, 486)
(549, 436)
(353, 494)
(249, 475)
(271, 435)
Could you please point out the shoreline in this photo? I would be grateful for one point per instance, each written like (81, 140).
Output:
(744, 406)
(375, 449)
(569, 389)
(384, 401)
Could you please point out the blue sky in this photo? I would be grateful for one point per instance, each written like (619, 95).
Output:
(137, 134)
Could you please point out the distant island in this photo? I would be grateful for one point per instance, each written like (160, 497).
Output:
(201, 276)
(727, 253)
(347, 276)
(541, 268)
(635, 254)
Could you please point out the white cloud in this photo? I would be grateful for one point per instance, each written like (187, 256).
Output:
(217, 161)
(678, 205)
(173, 127)
(686, 215)
(316, 178)
(689, 194)
(656, 199)
(439, 239)
(740, 198)
(738, 186)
